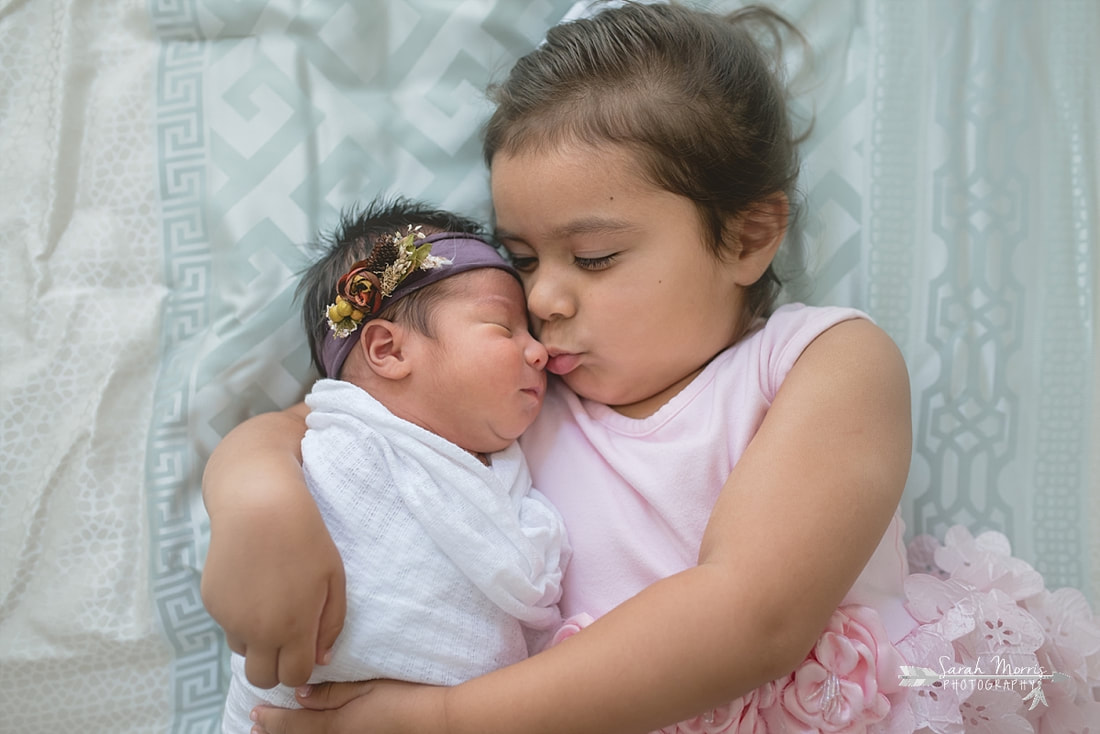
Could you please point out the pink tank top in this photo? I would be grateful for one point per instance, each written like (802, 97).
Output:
(636, 494)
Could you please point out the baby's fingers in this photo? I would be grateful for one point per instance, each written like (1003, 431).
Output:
(330, 695)
(285, 721)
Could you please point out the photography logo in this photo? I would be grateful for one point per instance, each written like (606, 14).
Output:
(1028, 680)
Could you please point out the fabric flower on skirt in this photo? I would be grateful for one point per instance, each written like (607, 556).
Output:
(1071, 646)
(983, 612)
(848, 684)
(986, 562)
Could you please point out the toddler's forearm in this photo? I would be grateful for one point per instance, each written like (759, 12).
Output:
(273, 578)
(678, 648)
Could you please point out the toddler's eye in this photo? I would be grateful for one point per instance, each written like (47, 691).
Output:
(523, 263)
(595, 263)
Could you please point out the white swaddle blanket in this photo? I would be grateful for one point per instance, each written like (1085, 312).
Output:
(451, 565)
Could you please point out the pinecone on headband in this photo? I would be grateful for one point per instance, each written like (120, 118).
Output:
(384, 252)
(360, 291)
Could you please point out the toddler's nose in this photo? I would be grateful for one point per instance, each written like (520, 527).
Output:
(546, 299)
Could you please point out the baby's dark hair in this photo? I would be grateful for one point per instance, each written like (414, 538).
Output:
(697, 98)
(360, 228)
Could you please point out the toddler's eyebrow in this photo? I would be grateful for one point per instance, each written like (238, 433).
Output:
(503, 235)
(586, 225)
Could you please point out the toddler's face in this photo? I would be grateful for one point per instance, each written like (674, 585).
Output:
(482, 369)
(620, 285)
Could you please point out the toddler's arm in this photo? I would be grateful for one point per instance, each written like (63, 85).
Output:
(273, 578)
(795, 524)
(797, 520)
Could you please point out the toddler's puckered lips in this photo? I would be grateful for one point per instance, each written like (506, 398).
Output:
(562, 363)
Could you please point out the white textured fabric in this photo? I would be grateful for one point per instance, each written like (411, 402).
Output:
(81, 289)
(447, 559)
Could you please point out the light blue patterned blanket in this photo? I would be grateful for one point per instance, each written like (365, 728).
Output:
(163, 162)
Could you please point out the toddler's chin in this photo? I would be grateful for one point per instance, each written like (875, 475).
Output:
(585, 387)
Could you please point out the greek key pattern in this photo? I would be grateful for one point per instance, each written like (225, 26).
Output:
(271, 118)
(176, 516)
(834, 175)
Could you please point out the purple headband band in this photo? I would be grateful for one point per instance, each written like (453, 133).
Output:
(464, 252)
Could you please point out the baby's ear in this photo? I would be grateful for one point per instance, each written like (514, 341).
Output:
(760, 230)
(382, 344)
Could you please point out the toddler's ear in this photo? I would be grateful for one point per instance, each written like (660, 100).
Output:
(760, 230)
(383, 344)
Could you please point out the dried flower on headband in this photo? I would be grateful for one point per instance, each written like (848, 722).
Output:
(360, 291)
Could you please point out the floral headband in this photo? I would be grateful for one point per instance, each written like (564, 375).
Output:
(360, 291)
(399, 264)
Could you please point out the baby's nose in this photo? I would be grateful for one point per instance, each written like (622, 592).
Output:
(536, 354)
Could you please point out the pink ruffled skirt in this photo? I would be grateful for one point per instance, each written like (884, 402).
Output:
(992, 651)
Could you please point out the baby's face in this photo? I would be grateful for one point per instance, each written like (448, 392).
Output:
(482, 372)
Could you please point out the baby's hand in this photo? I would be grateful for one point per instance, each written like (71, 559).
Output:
(378, 706)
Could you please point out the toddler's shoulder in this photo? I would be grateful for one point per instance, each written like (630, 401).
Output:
(780, 340)
(795, 321)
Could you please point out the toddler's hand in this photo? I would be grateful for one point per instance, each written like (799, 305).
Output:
(277, 589)
(273, 578)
